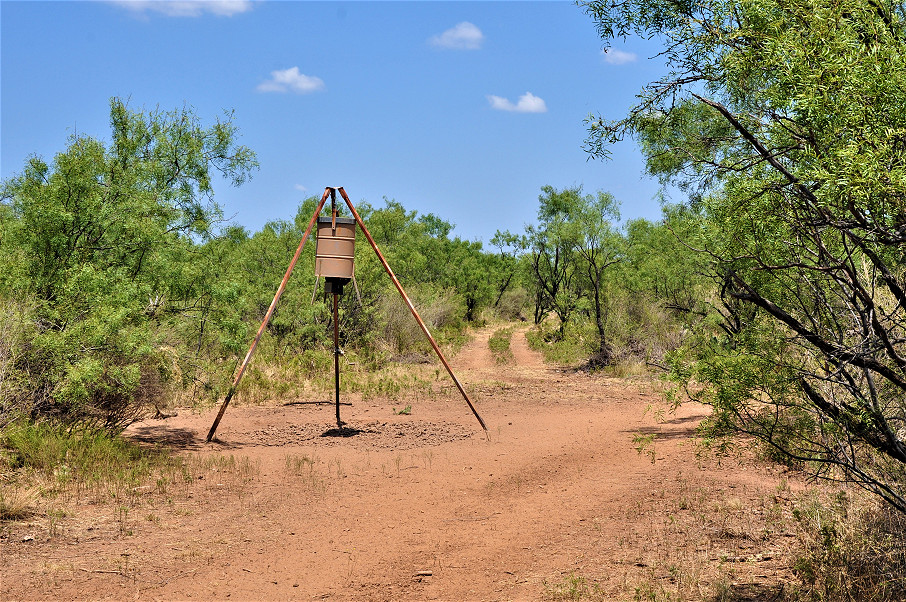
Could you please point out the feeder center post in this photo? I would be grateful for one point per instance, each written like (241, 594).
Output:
(336, 355)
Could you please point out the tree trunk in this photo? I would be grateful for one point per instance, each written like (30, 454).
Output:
(605, 352)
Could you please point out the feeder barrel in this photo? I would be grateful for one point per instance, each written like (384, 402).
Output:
(335, 252)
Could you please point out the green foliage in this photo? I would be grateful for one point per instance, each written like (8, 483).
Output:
(93, 239)
(568, 253)
(119, 291)
(499, 344)
(15, 332)
(637, 287)
(419, 250)
(784, 122)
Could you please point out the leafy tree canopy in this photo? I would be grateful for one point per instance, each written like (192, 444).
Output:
(786, 123)
(92, 237)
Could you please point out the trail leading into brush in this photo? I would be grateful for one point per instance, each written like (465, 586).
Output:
(422, 506)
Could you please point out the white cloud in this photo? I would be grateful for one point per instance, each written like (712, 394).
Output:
(464, 36)
(290, 80)
(617, 57)
(300, 188)
(528, 103)
(187, 8)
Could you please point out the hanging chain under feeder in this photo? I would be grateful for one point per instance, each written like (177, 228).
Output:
(334, 257)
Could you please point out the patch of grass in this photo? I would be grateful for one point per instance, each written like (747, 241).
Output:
(303, 467)
(403, 411)
(276, 376)
(393, 382)
(628, 369)
(695, 535)
(387, 386)
(651, 591)
(853, 549)
(17, 503)
(311, 373)
(71, 462)
(573, 587)
(224, 472)
(570, 348)
(44, 468)
(300, 465)
(499, 344)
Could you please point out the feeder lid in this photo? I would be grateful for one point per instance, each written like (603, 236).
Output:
(340, 220)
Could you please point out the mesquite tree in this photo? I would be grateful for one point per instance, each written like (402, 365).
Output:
(786, 123)
(93, 242)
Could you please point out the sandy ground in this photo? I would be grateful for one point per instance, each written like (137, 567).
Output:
(555, 502)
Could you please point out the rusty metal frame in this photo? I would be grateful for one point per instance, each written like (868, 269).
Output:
(331, 192)
(405, 297)
(267, 316)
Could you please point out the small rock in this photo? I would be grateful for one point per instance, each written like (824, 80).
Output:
(28, 538)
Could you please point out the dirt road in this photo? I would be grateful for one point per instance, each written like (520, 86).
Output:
(557, 502)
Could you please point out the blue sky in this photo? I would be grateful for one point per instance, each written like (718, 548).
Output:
(463, 109)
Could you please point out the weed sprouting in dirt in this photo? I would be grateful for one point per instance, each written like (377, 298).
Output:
(573, 587)
(644, 444)
(302, 467)
(228, 473)
(17, 502)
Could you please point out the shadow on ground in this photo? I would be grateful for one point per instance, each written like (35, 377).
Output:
(178, 438)
(753, 592)
(315, 403)
(345, 431)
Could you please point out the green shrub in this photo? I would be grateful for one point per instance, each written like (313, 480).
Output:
(441, 311)
(15, 390)
(499, 344)
(569, 346)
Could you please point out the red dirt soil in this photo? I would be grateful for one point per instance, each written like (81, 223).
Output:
(556, 499)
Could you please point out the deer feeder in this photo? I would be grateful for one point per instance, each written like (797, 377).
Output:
(334, 257)
(335, 252)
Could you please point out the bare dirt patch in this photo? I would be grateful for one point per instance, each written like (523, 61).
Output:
(560, 499)
(364, 435)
